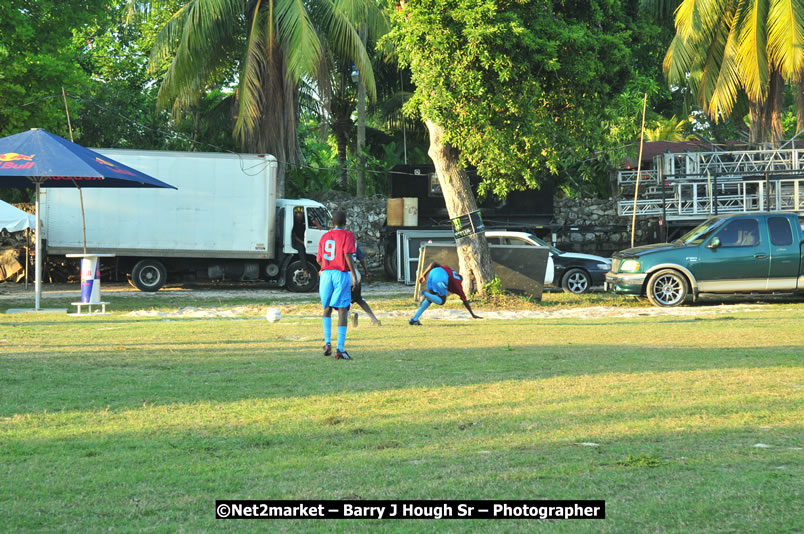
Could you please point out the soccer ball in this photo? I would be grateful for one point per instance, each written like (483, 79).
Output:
(273, 315)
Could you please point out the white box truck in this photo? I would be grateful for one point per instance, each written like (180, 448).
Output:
(222, 222)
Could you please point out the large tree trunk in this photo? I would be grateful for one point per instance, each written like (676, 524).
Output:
(798, 91)
(341, 130)
(276, 130)
(474, 257)
(757, 129)
(775, 106)
(766, 116)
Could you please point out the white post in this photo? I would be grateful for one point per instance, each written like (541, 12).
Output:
(38, 253)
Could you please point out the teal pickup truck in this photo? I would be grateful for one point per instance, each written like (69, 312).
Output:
(725, 254)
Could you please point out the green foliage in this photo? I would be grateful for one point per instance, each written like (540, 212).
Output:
(494, 287)
(727, 50)
(522, 89)
(671, 129)
(41, 40)
(320, 170)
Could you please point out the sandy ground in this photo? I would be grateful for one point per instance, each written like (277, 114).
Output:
(261, 293)
(257, 292)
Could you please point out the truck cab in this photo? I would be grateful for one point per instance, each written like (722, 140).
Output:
(288, 265)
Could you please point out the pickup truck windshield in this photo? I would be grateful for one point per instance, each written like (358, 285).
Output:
(700, 233)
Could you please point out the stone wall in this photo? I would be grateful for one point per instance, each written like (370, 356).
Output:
(365, 217)
(601, 230)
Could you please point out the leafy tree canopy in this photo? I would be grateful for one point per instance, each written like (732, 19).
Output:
(39, 47)
(521, 86)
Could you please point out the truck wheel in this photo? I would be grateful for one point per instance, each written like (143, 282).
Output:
(148, 275)
(389, 264)
(299, 280)
(576, 281)
(667, 288)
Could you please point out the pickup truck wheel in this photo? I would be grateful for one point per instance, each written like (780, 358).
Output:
(299, 280)
(148, 275)
(667, 288)
(576, 281)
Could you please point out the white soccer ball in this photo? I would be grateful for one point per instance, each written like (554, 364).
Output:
(273, 315)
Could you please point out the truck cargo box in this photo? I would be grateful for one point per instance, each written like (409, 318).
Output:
(224, 207)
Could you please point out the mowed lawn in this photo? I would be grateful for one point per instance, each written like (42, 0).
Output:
(132, 424)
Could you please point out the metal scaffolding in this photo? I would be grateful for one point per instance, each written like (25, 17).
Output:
(695, 185)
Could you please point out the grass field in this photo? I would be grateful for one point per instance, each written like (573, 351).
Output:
(130, 424)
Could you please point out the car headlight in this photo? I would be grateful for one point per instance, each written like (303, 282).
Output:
(630, 266)
(603, 266)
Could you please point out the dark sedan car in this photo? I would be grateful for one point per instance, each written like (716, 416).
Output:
(570, 271)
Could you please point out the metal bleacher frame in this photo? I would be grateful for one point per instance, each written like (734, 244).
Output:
(695, 185)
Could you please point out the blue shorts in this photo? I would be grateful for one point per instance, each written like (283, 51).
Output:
(335, 289)
(437, 282)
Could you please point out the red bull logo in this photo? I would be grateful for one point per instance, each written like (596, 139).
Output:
(7, 161)
(113, 167)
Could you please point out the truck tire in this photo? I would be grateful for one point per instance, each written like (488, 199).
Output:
(576, 281)
(389, 264)
(667, 288)
(148, 275)
(300, 281)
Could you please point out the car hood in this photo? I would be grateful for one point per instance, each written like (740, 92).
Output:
(647, 249)
(578, 256)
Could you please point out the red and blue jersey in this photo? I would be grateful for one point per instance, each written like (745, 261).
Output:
(454, 282)
(332, 249)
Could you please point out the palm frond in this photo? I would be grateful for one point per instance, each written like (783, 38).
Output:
(297, 36)
(698, 17)
(659, 10)
(198, 33)
(679, 60)
(344, 39)
(752, 47)
(728, 84)
(711, 63)
(786, 37)
(250, 93)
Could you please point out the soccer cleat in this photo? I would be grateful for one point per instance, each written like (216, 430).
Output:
(414, 322)
(327, 350)
(342, 355)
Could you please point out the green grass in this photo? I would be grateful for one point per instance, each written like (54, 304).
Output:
(127, 424)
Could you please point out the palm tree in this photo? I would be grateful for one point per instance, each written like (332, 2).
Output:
(279, 44)
(668, 130)
(728, 49)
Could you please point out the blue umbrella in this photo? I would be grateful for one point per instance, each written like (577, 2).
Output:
(38, 158)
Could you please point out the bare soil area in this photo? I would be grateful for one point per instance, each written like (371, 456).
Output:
(261, 293)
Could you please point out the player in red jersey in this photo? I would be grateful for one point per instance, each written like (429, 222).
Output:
(336, 281)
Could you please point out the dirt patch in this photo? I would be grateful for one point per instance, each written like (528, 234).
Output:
(206, 291)
(261, 294)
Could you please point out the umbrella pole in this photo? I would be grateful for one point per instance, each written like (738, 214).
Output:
(27, 253)
(38, 258)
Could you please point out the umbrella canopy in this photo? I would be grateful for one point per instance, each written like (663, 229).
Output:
(37, 158)
(14, 219)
